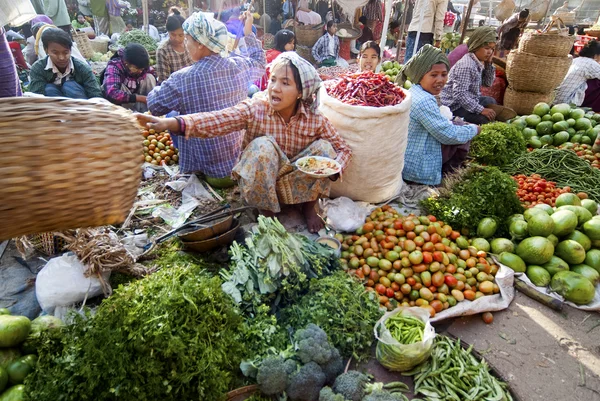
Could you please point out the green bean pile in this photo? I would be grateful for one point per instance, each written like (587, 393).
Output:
(561, 166)
(453, 373)
(137, 36)
(405, 329)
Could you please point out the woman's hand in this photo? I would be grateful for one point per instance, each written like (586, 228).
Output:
(489, 114)
(248, 21)
(158, 124)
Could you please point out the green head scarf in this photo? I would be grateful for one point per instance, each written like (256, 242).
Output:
(482, 36)
(421, 63)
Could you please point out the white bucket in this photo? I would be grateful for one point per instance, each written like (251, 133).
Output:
(16, 12)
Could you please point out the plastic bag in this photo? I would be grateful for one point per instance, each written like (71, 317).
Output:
(403, 357)
(62, 283)
(343, 214)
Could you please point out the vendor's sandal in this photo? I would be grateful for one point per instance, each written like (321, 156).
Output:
(503, 113)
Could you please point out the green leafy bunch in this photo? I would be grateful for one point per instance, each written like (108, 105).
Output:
(497, 144)
(173, 335)
(472, 194)
(339, 305)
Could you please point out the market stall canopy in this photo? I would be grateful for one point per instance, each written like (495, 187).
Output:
(16, 12)
(350, 6)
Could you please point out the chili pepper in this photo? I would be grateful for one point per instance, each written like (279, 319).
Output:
(365, 89)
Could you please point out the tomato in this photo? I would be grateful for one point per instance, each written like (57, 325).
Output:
(380, 288)
(487, 317)
(450, 281)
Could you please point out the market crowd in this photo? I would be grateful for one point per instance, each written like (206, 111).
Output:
(205, 66)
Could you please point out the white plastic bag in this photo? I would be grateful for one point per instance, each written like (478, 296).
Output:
(343, 214)
(403, 357)
(62, 283)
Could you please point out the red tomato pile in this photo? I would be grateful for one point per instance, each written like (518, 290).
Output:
(417, 261)
(534, 190)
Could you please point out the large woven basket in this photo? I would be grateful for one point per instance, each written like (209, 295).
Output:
(524, 102)
(593, 32)
(99, 45)
(67, 164)
(306, 53)
(532, 73)
(307, 35)
(83, 44)
(546, 44)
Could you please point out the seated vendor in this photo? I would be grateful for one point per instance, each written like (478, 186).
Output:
(60, 74)
(172, 54)
(214, 82)
(581, 86)
(435, 145)
(367, 33)
(80, 22)
(327, 49)
(369, 57)
(463, 92)
(282, 125)
(128, 78)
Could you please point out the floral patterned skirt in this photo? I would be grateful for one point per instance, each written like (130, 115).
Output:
(267, 178)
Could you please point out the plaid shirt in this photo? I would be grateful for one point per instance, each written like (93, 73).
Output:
(320, 50)
(213, 83)
(464, 84)
(114, 7)
(259, 119)
(168, 60)
(115, 75)
(573, 87)
(428, 130)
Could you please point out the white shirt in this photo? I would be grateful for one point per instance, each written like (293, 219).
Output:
(60, 77)
(153, 32)
(573, 87)
(331, 47)
(308, 18)
(433, 17)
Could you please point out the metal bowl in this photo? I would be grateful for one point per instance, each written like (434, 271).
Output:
(331, 242)
(212, 243)
(215, 229)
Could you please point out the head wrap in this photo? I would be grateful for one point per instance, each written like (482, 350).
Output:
(482, 36)
(207, 31)
(421, 63)
(309, 77)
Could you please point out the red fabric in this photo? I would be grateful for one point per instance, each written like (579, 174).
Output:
(270, 55)
(344, 49)
(15, 48)
(498, 87)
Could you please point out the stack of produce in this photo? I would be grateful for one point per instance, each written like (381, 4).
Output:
(532, 78)
(557, 246)
(159, 149)
(558, 125)
(418, 261)
(450, 41)
(497, 144)
(585, 152)
(534, 190)
(391, 69)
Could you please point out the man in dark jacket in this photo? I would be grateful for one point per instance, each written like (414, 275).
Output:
(59, 74)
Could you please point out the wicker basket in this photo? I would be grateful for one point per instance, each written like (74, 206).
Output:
(546, 44)
(83, 44)
(531, 73)
(524, 102)
(71, 164)
(99, 45)
(306, 53)
(307, 35)
(593, 32)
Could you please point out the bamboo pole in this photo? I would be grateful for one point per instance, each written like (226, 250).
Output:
(145, 18)
(386, 22)
(402, 26)
(465, 21)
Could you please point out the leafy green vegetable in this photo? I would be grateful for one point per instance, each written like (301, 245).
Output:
(173, 335)
(472, 194)
(275, 266)
(339, 305)
(137, 36)
(497, 144)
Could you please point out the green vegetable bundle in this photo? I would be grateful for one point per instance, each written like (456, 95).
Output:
(472, 194)
(275, 266)
(561, 166)
(173, 335)
(453, 373)
(137, 36)
(497, 144)
(405, 329)
(340, 305)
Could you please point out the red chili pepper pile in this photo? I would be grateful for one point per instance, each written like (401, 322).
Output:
(365, 89)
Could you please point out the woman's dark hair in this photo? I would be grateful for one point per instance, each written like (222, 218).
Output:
(56, 35)
(394, 25)
(363, 20)
(284, 37)
(78, 14)
(283, 62)
(590, 50)
(174, 22)
(137, 55)
(524, 13)
(371, 44)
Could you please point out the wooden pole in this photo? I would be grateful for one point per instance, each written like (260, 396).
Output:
(145, 15)
(465, 21)
(386, 22)
(545, 13)
(402, 26)
(190, 7)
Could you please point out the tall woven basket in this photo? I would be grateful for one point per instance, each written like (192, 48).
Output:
(532, 73)
(83, 44)
(546, 44)
(524, 102)
(307, 35)
(69, 164)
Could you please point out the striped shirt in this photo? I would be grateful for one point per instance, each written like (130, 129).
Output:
(169, 60)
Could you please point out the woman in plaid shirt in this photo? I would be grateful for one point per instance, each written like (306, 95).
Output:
(282, 125)
(172, 54)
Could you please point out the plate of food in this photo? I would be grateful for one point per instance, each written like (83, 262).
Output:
(318, 166)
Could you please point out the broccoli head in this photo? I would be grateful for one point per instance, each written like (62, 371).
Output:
(351, 385)
(306, 383)
(272, 375)
(327, 394)
(312, 345)
(383, 395)
(334, 367)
